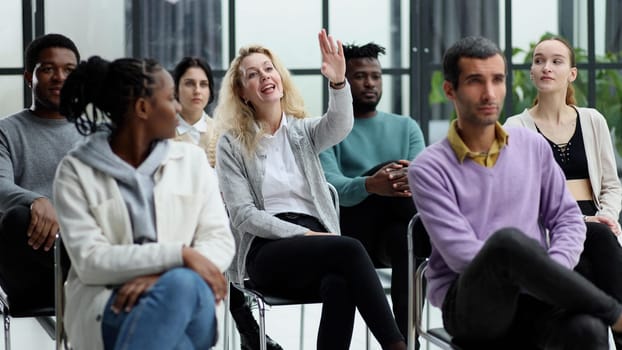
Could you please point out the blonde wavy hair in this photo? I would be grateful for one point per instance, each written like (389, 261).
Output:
(237, 118)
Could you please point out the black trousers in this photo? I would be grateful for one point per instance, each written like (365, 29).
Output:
(336, 269)
(26, 274)
(601, 260)
(515, 296)
(381, 224)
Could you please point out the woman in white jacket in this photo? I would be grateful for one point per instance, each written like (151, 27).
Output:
(581, 144)
(148, 250)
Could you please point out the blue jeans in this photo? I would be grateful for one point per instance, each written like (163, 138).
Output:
(177, 312)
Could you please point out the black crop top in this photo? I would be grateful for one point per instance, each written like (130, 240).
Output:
(571, 156)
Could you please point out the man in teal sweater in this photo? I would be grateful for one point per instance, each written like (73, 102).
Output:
(368, 169)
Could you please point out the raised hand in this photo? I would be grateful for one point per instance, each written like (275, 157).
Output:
(333, 61)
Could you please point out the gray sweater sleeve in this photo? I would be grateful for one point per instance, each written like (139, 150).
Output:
(30, 150)
(336, 123)
(10, 193)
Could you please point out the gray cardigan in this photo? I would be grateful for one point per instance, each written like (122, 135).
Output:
(241, 177)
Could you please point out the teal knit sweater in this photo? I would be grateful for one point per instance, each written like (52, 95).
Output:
(372, 141)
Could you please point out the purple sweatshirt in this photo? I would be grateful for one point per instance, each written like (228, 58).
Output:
(461, 205)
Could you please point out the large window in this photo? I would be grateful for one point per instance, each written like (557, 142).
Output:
(12, 86)
(438, 25)
(415, 33)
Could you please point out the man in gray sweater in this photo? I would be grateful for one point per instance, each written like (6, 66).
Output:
(32, 143)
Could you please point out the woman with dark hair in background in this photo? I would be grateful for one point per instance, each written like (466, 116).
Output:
(194, 88)
(148, 251)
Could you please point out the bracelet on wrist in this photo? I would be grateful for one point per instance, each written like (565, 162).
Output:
(338, 85)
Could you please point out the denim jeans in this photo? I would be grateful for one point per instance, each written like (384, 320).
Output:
(177, 312)
(512, 293)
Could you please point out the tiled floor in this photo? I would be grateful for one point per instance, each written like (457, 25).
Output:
(282, 323)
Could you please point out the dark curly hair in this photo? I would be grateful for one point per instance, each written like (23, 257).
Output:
(370, 50)
(110, 87)
(33, 50)
(469, 47)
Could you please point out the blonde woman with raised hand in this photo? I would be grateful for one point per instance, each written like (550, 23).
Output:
(278, 199)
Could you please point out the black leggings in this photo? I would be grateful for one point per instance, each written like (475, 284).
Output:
(336, 269)
(515, 294)
(381, 223)
(601, 259)
(236, 298)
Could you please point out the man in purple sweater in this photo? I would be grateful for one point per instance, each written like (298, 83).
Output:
(505, 232)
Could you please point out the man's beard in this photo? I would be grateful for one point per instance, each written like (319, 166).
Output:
(364, 107)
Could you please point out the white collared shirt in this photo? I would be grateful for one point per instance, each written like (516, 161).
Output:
(195, 129)
(284, 186)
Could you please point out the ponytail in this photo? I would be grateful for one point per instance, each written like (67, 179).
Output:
(83, 87)
(109, 87)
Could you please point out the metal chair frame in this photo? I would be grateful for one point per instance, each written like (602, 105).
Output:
(416, 294)
(263, 299)
(53, 328)
(62, 342)
(42, 315)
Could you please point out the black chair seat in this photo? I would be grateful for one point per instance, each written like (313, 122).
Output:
(279, 300)
(31, 303)
(34, 312)
(26, 304)
(16, 308)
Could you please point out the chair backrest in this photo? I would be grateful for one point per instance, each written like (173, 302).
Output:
(61, 267)
(335, 196)
(419, 249)
(421, 241)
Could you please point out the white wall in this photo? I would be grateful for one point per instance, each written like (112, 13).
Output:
(11, 56)
(97, 27)
(531, 19)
